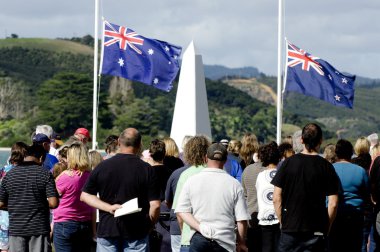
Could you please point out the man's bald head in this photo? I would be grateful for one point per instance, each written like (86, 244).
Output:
(130, 137)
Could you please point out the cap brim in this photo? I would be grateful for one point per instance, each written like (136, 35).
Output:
(59, 142)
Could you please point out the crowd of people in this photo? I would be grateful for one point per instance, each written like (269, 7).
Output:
(229, 195)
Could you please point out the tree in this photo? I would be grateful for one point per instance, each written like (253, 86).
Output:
(13, 35)
(140, 115)
(87, 40)
(65, 102)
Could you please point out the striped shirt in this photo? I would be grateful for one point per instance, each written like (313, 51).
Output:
(25, 190)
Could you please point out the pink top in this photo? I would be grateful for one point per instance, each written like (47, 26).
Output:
(69, 185)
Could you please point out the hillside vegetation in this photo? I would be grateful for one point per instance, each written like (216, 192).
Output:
(53, 81)
(45, 81)
(362, 120)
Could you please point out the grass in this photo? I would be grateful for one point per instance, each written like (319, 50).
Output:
(55, 45)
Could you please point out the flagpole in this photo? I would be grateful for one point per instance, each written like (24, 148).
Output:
(279, 70)
(95, 92)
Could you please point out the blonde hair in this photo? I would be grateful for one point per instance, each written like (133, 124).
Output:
(234, 146)
(329, 153)
(249, 146)
(375, 151)
(95, 158)
(77, 157)
(362, 146)
(196, 150)
(171, 147)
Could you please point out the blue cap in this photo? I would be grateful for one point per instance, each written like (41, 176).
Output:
(40, 138)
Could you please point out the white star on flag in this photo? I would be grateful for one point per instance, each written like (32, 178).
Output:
(175, 56)
(170, 63)
(330, 77)
(121, 62)
(344, 81)
(337, 97)
(150, 51)
(155, 81)
(337, 72)
(167, 48)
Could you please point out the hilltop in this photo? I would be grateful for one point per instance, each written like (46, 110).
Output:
(51, 45)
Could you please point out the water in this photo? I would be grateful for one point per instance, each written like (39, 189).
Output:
(4, 155)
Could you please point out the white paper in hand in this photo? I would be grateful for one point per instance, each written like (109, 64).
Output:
(128, 207)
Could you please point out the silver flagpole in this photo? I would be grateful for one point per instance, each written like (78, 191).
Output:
(279, 70)
(95, 94)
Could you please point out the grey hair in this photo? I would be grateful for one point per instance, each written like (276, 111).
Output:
(373, 138)
(185, 140)
(44, 129)
(297, 144)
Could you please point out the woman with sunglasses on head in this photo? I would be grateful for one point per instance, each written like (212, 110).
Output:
(72, 218)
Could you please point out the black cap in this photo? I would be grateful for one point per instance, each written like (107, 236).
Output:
(217, 151)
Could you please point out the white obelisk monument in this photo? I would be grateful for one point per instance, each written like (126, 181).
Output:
(191, 115)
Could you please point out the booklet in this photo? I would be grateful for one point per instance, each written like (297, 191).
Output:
(128, 207)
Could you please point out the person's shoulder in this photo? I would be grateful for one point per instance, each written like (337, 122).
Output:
(229, 179)
(191, 177)
(51, 158)
(300, 157)
(358, 168)
(177, 173)
(254, 167)
(262, 173)
(189, 172)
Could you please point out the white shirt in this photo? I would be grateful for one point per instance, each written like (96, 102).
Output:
(266, 215)
(217, 200)
(53, 151)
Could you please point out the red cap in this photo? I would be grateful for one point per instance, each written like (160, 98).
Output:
(84, 132)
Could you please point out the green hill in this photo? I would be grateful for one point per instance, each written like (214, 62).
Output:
(51, 45)
(52, 79)
(44, 81)
(362, 120)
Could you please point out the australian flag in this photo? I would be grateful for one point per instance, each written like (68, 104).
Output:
(129, 55)
(315, 77)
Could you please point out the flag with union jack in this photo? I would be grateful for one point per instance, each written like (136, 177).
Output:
(129, 55)
(312, 76)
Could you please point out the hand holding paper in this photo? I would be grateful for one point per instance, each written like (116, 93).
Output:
(128, 207)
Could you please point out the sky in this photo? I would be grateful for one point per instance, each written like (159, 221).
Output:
(231, 33)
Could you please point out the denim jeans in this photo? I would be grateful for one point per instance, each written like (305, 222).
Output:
(184, 248)
(199, 243)
(72, 236)
(118, 244)
(368, 228)
(302, 242)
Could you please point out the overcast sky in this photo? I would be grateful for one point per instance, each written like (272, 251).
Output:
(226, 32)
